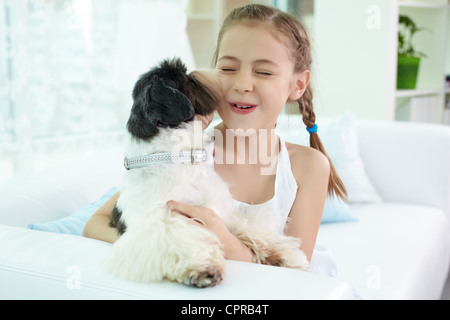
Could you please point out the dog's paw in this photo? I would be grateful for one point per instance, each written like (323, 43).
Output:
(208, 277)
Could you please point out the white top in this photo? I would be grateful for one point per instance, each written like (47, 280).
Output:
(285, 187)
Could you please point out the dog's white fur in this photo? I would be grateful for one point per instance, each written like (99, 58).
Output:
(159, 244)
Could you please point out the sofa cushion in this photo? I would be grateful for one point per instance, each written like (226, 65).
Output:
(394, 251)
(43, 265)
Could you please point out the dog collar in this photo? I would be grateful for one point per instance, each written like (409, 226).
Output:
(194, 156)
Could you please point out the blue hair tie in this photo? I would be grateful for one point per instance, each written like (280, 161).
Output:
(312, 129)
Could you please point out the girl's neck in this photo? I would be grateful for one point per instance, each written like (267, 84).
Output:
(251, 147)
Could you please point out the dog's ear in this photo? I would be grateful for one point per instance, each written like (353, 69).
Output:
(168, 107)
(159, 106)
(138, 126)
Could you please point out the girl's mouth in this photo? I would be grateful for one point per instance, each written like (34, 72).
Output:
(242, 108)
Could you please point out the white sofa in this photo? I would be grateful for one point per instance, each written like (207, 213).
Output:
(399, 247)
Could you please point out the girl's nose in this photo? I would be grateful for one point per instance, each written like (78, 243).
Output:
(243, 83)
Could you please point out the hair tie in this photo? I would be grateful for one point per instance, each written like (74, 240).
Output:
(312, 129)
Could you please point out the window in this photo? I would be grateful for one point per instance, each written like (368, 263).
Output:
(67, 68)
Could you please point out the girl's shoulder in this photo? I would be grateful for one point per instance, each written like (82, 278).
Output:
(307, 162)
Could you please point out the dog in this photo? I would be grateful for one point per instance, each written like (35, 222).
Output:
(168, 159)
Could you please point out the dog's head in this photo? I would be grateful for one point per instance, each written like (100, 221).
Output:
(166, 96)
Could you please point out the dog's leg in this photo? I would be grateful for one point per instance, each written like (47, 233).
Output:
(279, 251)
(267, 244)
(196, 259)
(167, 247)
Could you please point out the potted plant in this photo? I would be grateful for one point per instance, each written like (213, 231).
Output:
(408, 58)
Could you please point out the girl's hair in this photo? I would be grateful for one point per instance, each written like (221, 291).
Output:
(297, 40)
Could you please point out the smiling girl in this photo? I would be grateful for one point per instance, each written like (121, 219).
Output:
(263, 61)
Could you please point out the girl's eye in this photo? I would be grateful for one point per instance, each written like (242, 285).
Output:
(227, 69)
(264, 73)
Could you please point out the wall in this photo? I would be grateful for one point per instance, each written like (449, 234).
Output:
(353, 55)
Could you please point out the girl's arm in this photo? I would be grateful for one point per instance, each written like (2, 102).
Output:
(98, 227)
(311, 170)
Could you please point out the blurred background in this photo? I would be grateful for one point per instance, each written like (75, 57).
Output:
(67, 67)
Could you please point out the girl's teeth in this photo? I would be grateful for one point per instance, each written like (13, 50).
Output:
(243, 107)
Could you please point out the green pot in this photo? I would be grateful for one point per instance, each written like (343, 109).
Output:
(407, 69)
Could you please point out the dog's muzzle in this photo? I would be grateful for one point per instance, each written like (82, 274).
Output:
(194, 156)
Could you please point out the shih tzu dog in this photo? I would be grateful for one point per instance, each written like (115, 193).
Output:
(169, 157)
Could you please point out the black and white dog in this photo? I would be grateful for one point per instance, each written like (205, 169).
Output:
(167, 158)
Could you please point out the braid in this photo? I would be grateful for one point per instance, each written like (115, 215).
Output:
(335, 184)
(306, 107)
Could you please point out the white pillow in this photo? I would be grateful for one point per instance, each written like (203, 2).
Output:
(340, 140)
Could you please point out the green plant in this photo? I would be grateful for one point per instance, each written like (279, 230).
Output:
(406, 31)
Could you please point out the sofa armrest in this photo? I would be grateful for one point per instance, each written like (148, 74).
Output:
(41, 265)
(407, 162)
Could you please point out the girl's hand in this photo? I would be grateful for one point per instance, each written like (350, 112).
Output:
(209, 220)
(201, 216)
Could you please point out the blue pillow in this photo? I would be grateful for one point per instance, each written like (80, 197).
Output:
(74, 224)
(337, 210)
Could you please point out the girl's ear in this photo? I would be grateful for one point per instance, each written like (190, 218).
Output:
(299, 85)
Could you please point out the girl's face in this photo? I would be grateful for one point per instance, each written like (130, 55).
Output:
(257, 78)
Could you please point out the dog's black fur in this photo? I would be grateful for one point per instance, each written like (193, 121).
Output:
(166, 96)
(116, 222)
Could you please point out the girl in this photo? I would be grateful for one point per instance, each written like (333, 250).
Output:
(263, 61)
